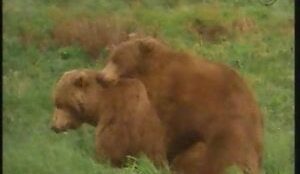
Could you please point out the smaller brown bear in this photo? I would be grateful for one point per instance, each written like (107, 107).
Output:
(126, 123)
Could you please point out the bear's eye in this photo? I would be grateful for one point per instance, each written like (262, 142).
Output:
(58, 105)
(77, 114)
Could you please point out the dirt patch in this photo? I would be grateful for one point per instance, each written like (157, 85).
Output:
(287, 27)
(92, 35)
(244, 25)
(209, 32)
(213, 32)
(29, 38)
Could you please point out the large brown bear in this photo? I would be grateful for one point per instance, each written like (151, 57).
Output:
(211, 116)
(126, 122)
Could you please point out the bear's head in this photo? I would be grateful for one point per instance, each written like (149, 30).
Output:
(76, 100)
(130, 58)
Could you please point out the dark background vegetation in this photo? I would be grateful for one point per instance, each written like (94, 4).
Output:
(44, 38)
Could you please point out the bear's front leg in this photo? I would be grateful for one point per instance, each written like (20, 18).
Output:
(111, 144)
(191, 160)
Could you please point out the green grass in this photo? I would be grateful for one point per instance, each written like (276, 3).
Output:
(30, 69)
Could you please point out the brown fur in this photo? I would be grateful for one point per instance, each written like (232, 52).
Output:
(206, 107)
(126, 123)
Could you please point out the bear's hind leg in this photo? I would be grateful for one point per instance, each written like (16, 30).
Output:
(190, 161)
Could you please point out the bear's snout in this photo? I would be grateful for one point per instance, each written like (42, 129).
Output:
(105, 80)
(55, 129)
(110, 73)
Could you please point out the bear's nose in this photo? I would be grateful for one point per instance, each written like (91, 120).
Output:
(55, 129)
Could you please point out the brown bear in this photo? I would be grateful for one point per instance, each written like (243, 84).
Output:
(126, 123)
(211, 116)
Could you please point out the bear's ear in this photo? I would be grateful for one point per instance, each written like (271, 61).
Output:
(81, 81)
(146, 45)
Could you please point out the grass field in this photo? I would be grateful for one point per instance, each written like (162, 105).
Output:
(257, 40)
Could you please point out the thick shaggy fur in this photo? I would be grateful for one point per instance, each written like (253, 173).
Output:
(211, 116)
(126, 123)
